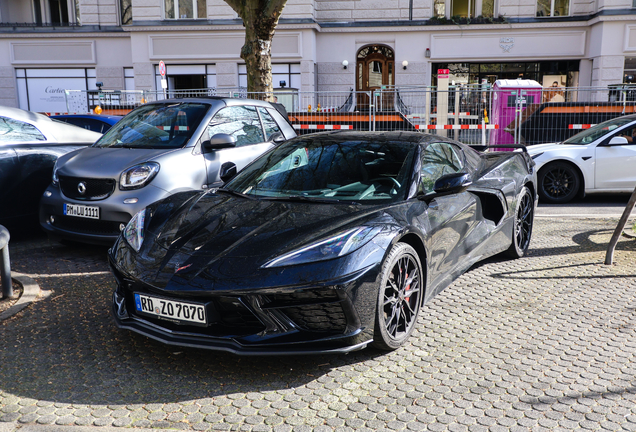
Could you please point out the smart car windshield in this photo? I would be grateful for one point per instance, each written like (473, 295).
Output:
(324, 169)
(595, 132)
(156, 126)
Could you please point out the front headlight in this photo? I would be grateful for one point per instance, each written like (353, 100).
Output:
(333, 247)
(54, 178)
(134, 231)
(138, 176)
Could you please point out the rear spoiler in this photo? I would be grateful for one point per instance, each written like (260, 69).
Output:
(500, 146)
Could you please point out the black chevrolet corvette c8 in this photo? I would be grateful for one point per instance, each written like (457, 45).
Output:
(327, 243)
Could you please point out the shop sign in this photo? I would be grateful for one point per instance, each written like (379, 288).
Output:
(47, 94)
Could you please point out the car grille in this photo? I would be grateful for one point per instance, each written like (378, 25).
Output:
(96, 189)
(317, 310)
(87, 226)
(318, 318)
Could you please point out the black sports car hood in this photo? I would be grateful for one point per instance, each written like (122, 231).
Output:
(190, 234)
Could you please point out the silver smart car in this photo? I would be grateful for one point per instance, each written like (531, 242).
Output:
(158, 149)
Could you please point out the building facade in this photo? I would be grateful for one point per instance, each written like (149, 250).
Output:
(48, 46)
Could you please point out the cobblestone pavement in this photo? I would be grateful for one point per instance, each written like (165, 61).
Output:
(546, 342)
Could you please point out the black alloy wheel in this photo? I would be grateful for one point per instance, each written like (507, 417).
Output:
(522, 231)
(558, 183)
(399, 297)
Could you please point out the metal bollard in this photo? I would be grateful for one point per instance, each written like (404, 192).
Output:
(5, 264)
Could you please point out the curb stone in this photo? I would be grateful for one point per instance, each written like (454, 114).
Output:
(30, 291)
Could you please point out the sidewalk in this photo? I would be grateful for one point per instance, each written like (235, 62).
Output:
(547, 342)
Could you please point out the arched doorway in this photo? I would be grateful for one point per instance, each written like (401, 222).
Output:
(375, 67)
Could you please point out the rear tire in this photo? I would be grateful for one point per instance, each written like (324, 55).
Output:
(559, 182)
(399, 297)
(522, 229)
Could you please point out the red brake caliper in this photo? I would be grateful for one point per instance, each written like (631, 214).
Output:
(408, 287)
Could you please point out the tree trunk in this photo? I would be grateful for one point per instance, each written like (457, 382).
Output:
(260, 18)
(257, 52)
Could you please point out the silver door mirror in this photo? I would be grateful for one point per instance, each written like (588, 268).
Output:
(219, 141)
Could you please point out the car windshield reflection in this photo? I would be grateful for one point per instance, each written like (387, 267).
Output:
(595, 132)
(156, 126)
(328, 170)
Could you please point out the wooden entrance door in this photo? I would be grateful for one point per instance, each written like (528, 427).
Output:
(375, 67)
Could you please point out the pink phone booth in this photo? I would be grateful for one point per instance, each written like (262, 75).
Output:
(504, 104)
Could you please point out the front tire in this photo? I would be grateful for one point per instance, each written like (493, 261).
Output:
(522, 230)
(559, 182)
(399, 297)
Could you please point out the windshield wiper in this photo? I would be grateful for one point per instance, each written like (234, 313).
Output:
(305, 198)
(235, 193)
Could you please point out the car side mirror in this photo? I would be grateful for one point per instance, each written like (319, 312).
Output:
(448, 184)
(277, 138)
(227, 171)
(618, 140)
(219, 141)
(452, 183)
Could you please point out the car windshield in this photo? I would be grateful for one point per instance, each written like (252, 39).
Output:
(329, 169)
(595, 132)
(156, 126)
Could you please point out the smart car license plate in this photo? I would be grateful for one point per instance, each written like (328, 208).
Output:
(175, 310)
(83, 211)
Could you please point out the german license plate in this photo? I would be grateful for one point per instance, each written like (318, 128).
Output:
(175, 310)
(83, 211)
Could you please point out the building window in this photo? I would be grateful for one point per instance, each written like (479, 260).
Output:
(55, 90)
(440, 8)
(185, 9)
(629, 70)
(552, 8)
(463, 8)
(287, 73)
(57, 12)
(125, 9)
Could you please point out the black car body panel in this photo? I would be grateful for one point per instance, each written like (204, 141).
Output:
(27, 160)
(216, 249)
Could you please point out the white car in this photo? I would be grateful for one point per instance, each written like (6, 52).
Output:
(600, 159)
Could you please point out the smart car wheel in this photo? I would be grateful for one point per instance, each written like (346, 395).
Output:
(558, 183)
(399, 297)
(522, 230)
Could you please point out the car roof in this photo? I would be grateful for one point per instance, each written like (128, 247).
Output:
(54, 131)
(215, 99)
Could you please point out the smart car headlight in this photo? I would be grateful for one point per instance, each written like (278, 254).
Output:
(138, 176)
(134, 231)
(332, 247)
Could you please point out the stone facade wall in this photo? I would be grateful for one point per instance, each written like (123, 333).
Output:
(333, 77)
(112, 77)
(218, 9)
(147, 10)
(518, 8)
(144, 76)
(99, 12)
(370, 10)
(299, 9)
(614, 4)
(582, 7)
(607, 70)
(8, 94)
(226, 75)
